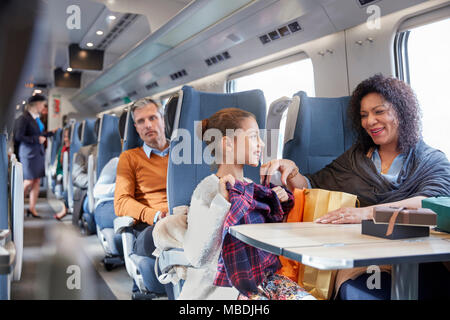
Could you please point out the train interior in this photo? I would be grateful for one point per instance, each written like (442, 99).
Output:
(92, 58)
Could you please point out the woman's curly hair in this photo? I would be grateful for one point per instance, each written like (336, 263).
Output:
(404, 102)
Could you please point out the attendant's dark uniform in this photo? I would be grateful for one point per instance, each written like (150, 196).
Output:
(31, 152)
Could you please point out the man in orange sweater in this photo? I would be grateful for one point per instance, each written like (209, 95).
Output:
(141, 175)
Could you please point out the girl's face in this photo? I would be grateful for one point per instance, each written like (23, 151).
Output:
(248, 146)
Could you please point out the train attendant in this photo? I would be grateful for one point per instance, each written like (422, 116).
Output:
(31, 137)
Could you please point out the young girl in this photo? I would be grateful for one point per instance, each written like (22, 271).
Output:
(210, 205)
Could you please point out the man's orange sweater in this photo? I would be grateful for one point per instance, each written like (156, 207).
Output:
(141, 185)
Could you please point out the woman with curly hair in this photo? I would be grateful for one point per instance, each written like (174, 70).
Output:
(389, 164)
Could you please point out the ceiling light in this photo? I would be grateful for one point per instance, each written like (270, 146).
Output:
(23, 102)
(99, 32)
(69, 69)
(111, 17)
(89, 44)
(37, 91)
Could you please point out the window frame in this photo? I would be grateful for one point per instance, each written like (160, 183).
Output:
(401, 39)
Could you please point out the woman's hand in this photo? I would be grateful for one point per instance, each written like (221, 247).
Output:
(281, 193)
(42, 139)
(286, 167)
(346, 215)
(223, 185)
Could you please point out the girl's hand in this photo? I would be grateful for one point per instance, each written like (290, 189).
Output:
(223, 185)
(346, 215)
(281, 193)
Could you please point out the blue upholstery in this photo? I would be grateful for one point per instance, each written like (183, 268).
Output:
(3, 183)
(322, 133)
(75, 145)
(89, 134)
(56, 143)
(183, 178)
(146, 267)
(109, 145)
(357, 289)
(4, 282)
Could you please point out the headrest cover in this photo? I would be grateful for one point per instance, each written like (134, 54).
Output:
(80, 130)
(97, 127)
(169, 114)
(122, 123)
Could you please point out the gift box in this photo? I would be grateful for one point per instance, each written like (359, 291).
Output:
(407, 216)
(368, 227)
(440, 205)
(399, 223)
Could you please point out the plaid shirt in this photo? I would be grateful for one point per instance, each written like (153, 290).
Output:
(241, 265)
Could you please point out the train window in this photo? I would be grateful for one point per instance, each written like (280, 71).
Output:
(281, 78)
(428, 66)
(276, 82)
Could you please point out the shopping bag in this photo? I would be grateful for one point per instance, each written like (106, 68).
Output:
(316, 203)
(290, 268)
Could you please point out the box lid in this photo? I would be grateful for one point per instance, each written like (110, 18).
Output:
(407, 216)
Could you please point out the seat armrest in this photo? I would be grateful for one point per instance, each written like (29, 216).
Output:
(172, 257)
(122, 223)
(91, 183)
(7, 252)
(4, 234)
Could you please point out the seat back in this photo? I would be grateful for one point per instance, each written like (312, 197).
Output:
(75, 145)
(17, 217)
(75, 142)
(182, 178)
(56, 144)
(109, 145)
(317, 132)
(170, 111)
(88, 132)
(4, 223)
(131, 138)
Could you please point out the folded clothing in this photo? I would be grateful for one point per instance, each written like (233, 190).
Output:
(240, 265)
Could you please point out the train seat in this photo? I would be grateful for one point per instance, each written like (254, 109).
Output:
(109, 146)
(317, 131)
(183, 178)
(11, 220)
(53, 146)
(89, 139)
(75, 145)
(139, 268)
(7, 249)
(87, 133)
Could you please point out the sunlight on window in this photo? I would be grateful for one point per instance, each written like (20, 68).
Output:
(277, 82)
(280, 81)
(429, 65)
